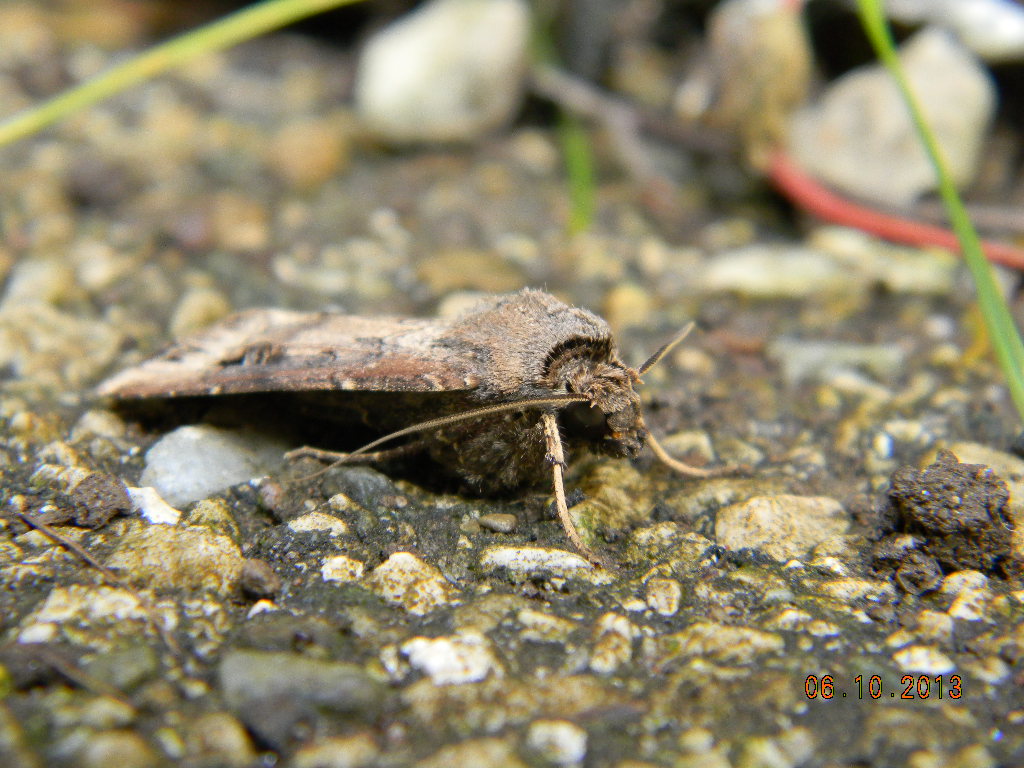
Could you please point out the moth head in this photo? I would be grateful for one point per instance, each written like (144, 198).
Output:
(610, 419)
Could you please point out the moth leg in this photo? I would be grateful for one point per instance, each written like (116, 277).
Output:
(340, 457)
(557, 458)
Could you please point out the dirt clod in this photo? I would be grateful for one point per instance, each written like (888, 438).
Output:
(947, 517)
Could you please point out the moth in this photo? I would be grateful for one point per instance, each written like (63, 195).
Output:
(495, 396)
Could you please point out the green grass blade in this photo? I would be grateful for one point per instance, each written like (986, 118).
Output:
(1003, 333)
(232, 29)
(579, 167)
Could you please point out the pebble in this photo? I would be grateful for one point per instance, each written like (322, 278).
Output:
(80, 607)
(319, 522)
(924, 660)
(258, 579)
(465, 658)
(193, 462)
(55, 350)
(124, 749)
(218, 738)
(499, 522)
(240, 223)
(781, 526)
(197, 309)
(613, 643)
(152, 507)
(448, 71)
(993, 29)
(541, 627)
(827, 361)
(860, 138)
(934, 626)
(1006, 465)
(98, 423)
(179, 558)
(851, 590)
(247, 676)
(490, 752)
(342, 568)
(664, 596)
(307, 152)
(729, 644)
(531, 561)
(769, 271)
(357, 751)
(559, 742)
(406, 580)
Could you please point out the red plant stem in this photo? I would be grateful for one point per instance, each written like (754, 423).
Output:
(812, 196)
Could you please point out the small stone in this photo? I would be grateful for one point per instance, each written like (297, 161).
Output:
(664, 596)
(993, 29)
(560, 742)
(151, 506)
(924, 660)
(719, 642)
(217, 738)
(216, 515)
(959, 582)
(498, 522)
(827, 361)
(198, 309)
(258, 579)
(125, 667)
(319, 521)
(934, 626)
(125, 749)
(465, 658)
(307, 152)
(165, 557)
(448, 71)
(342, 568)
(1006, 465)
(781, 526)
(540, 560)
(613, 643)
(358, 751)
(860, 136)
(492, 752)
(78, 607)
(543, 627)
(628, 305)
(96, 423)
(194, 462)
(970, 604)
(247, 676)
(851, 590)
(403, 579)
(772, 272)
(240, 223)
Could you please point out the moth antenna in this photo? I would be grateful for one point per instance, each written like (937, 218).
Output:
(557, 458)
(656, 358)
(685, 469)
(444, 421)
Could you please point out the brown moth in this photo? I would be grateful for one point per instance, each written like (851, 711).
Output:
(503, 387)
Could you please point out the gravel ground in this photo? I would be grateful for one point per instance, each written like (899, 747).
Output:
(837, 605)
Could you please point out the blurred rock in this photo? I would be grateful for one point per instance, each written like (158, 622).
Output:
(193, 462)
(781, 526)
(168, 557)
(993, 29)
(448, 71)
(860, 138)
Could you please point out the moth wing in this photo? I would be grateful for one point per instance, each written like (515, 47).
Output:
(273, 350)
